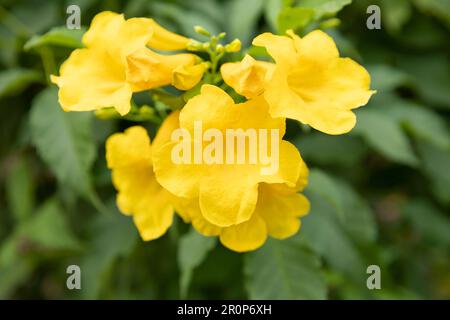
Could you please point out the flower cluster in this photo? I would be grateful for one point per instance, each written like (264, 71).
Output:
(237, 201)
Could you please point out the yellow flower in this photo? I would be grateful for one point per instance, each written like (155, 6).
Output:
(277, 214)
(185, 77)
(129, 156)
(227, 192)
(312, 84)
(117, 63)
(247, 77)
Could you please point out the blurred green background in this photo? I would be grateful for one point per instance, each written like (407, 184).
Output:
(380, 195)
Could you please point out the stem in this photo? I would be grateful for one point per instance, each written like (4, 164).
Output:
(48, 61)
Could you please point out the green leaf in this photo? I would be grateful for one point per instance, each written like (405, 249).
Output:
(294, 18)
(243, 17)
(192, 251)
(431, 74)
(359, 220)
(64, 141)
(20, 190)
(353, 213)
(436, 166)
(438, 8)
(328, 237)
(324, 8)
(14, 81)
(385, 135)
(272, 9)
(186, 20)
(432, 224)
(49, 228)
(345, 150)
(396, 14)
(421, 121)
(57, 36)
(284, 269)
(112, 235)
(386, 78)
(321, 184)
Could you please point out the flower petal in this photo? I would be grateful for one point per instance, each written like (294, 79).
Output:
(228, 197)
(281, 212)
(185, 77)
(189, 210)
(164, 39)
(280, 48)
(89, 80)
(147, 69)
(246, 236)
(154, 214)
(248, 76)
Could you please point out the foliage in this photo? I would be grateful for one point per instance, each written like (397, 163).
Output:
(378, 196)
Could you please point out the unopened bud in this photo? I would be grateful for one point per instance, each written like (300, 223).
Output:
(233, 46)
(220, 48)
(194, 45)
(202, 31)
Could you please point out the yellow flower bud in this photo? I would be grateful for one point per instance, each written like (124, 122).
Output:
(233, 46)
(185, 77)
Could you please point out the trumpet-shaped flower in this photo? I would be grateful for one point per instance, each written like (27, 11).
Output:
(277, 214)
(312, 84)
(227, 192)
(116, 62)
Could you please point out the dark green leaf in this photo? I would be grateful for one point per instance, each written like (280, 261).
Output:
(284, 269)
(63, 140)
(14, 81)
(193, 249)
(385, 135)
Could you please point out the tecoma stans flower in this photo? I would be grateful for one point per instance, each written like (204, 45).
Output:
(312, 84)
(248, 76)
(116, 62)
(227, 192)
(129, 156)
(277, 214)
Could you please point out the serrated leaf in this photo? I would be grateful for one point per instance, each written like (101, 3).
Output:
(353, 214)
(193, 249)
(421, 121)
(321, 184)
(328, 237)
(284, 269)
(385, 135)
(64, 141)
(57, 36)
(14, 81)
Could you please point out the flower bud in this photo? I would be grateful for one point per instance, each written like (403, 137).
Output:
(233, 46)
(202, 31)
